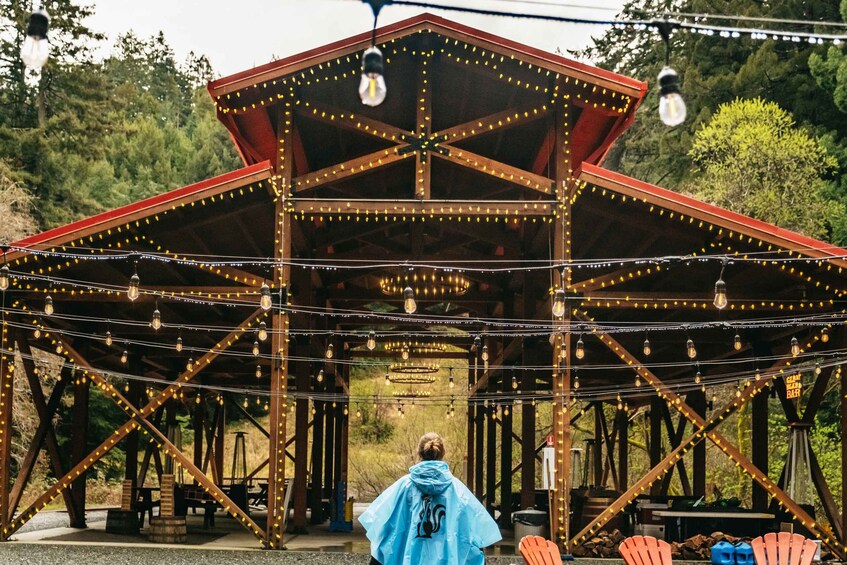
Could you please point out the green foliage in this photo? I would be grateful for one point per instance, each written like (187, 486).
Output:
(373, 427)
(755, 161)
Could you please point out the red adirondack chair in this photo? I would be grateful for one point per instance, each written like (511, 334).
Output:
(537, 550)
(645, 550)
(783, 549)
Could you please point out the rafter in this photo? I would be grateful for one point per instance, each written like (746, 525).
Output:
(348, 169)
(470, 160)
(346, 119)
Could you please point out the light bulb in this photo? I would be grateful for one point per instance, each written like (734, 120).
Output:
(48, 305)
(387, 380)
(372, 88)
(258, 371)
(265, 301)
(825, 335)
(371, 345)
(108, 337)
(197, 399)
(672, 109)
(576, 381)
(647, 349)
(358, 413)
(559, 303)
(190, 365)
(580, 349)
(156, 323)
(690, 349)
(409, 304)
(126, 387)
(320, 377)
(451, 383)
(313, 411)
(405, 353)
(59, 348)
(817, 368)
(346, 410)
(124, 356)
(514, 383)
(736, 342)
(245, 402)
(697, 378)
(263, 331)
(36, 333)
(178, 346)
(637, 381)
(484, 353)
(795, 347)
(256, 348)
(720, 301)
(132, 291)
(266, 406)
(329, 351)
(4, 277)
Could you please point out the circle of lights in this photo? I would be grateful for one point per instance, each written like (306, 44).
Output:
(412, 394)
(425, 283)
(416, 347)
(412, 379)
(414, 368)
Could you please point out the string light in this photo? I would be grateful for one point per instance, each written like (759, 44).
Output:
(484, 355)
(690, 350)
(178, 345)
(265, 301)
(817, 367)
(558, 308)
(647, 349)
(258, 371)
(409, 304)
(720, 300)
(48, 305)
(580, 348)
(514, 383)
(245, 403)
(404, 354)
(124, 356)
(4, 275)
(189, 366)
(825, 335)
(387, 379)
(36, 333)
(795, 347)
(451, 383)
(736, 342)
(575, 380)
(330, 353)
(133, 291)
(262, 332)
(371, 344)
(156, 322)
(320, 376)
(108, 339)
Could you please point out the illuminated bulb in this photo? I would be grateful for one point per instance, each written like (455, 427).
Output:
(197, 399)
(124, 356)
(758, 374)
(672, 109)
(452, 411)
(485, 353)
(559, 303)
(265, 297)
(245, 402)
(505, 410)
(825, 335)
(36, 333)
(262, 334)
(320, 376)
(190, 365)
(576, 381)
(255, 348)
(620, 402)
(405, 353)
(795, 347)
(4, 277)
(358, 412)
(132, 290)
(313, 411)
(409, 304)
(637, 381)
(647, 349)
(329, 351)
(108, 337)
(580, 348)
(387, 380)
(48, 305)
(372, 88)
(514, 383)
(371, 345)
(346, 410)
(698, 377)
(59, 348)
(36, 48)
(690, 349)
(720, 301)
(178, 346)
(258, 371)
(817, 368)
(451, 384)
(736, 342)
(126, 387)
(156, 323)
(266, 406)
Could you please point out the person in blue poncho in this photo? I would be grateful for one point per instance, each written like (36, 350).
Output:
(428, 516)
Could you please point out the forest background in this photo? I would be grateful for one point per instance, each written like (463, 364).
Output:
(766, 135)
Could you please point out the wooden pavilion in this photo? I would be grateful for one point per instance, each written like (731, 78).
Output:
(482, 165)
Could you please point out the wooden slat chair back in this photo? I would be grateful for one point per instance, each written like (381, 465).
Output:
(537, 550)
(783, 549)
(645, 550)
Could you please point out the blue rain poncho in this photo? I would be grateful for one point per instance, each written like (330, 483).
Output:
(429, 517)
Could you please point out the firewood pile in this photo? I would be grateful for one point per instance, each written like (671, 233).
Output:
(603, 544)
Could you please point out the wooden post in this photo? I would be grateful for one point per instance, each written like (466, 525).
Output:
(623, 450)
(79, 446)
(490, 458)
(301, 441)
(479, 475)
(528, 432)
(7, 388)
(198, 422)
(317, 463)
(329, 440)
(220, 432)
(506, 455)
(697, 399)
(471, 451)
(135, 396)
(759, 431)
(655, 438)
(598, 444)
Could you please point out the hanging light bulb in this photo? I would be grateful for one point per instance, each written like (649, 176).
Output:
(329, 351)
(48, 305)
(452, 411)
(817, 367)
(156, 323)
(372, 88)
(265, 297)
(178, 345)
(190, 365)
(346, 410)
(258, 371)
(262, 334)
(484, 353)
(245, 404)
(124, 356)
(647, 349)
(637, 380)
(825, 335)
(514, 383)
(690, 349)
(132, 291)
(320, 376)
(371, 345)
(108, 339)
(576, 381)
(266, 406)
(620, 402)
(672, 110)
(720, 301)
(313, 410)
(358, 412)
(36, 48)
(198, 399)
(4, 277)
(59, 348)
(404, 354)
(451, 384)
(255, 348)
(36, 333)
(126, 387)
(736, 342)
(698, 377)
(580, 348)
(795, 347)
(409, 304)
(559, 303)
(387, 380)
(477, 343)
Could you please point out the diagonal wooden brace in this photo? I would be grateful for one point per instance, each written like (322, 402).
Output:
(129, 426)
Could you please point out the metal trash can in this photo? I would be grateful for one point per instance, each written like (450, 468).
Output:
(529, 522)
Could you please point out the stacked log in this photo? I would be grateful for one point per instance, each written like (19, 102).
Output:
(695, 548)
(603, 544)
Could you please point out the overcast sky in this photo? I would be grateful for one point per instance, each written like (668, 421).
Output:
(237, 35)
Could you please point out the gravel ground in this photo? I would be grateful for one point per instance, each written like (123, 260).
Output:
(50, 520)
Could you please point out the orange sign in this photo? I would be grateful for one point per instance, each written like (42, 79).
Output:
(793, 386)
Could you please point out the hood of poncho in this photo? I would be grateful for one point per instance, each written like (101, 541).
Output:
(431, 477)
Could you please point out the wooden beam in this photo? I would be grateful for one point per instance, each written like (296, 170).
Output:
(457, 209)
(341, 118)
(423, 127)
(497, 121)
(7, 388)
(619, 276)
(537, 184)
(348, 169)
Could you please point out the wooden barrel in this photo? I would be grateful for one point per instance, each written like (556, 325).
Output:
(168, 529)
(121, 521)
(593, 507)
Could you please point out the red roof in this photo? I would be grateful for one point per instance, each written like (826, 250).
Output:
(707, 212)
(147, 207)
(282, 67)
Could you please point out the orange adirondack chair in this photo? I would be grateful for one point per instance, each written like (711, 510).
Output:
(537, 550)
(645, 550)
(783, 549)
